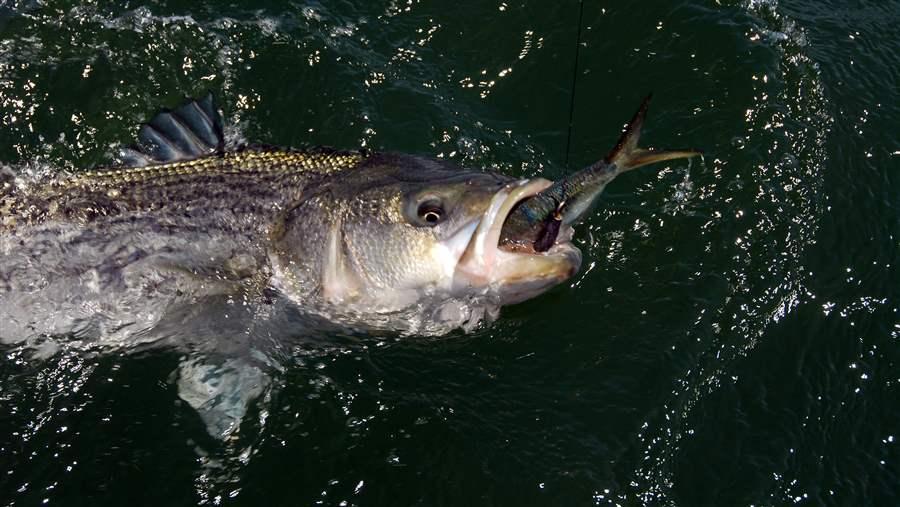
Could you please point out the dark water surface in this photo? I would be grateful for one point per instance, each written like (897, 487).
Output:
(733, 338)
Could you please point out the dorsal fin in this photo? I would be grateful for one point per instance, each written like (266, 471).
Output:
(191, 131)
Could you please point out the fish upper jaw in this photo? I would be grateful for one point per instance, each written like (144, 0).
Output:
(512, 275)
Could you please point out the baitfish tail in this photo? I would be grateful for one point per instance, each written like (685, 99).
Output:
(627, 155)
(537, 220)
(576, 193)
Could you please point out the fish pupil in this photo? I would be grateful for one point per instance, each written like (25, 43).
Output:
(430, 212)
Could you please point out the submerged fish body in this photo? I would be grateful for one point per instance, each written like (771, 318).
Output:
(166, 249)
(109, 254)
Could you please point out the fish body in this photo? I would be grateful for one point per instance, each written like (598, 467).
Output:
(208, 249)
(385, 240)
(364, 239)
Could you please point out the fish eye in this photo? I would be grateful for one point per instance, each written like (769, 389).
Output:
(431, 213)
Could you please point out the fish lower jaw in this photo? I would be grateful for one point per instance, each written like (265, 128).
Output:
(514, 277)
(562, 260)
(522, 276)
(563, 243)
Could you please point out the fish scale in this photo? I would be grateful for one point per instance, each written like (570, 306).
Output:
(241, 162)
(247, 178)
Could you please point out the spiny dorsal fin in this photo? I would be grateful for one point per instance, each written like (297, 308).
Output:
(192, 131)
(628, 155)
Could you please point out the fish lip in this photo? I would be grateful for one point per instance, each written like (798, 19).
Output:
(484, 263)
(484, 242)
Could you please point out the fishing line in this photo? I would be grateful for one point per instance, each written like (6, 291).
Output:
(574, 80)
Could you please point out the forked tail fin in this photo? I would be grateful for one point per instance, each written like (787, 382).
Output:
(628, 155)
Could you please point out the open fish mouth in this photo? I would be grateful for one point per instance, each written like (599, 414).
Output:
(515, 271)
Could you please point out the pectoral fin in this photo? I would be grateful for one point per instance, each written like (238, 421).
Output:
(340, 284)
(221, 392)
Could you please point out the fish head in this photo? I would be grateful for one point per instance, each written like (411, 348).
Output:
(401, 231)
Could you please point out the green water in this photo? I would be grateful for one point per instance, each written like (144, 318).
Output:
(733, 337)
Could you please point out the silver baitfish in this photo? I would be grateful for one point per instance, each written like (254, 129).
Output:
(538, 222)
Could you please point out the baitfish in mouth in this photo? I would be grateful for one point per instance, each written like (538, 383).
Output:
(537, 222)
(550, 231)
